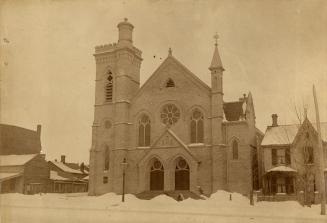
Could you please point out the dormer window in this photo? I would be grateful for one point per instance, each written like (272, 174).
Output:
(170, 83)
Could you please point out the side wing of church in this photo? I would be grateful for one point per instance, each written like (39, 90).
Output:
(174, 132)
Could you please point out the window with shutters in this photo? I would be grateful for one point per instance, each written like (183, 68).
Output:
(274, 157)
(197, 127)
(288, 156)
(281, 156)
(144, 131)
(109, 87)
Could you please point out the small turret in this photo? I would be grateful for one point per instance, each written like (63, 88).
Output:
(125, 32)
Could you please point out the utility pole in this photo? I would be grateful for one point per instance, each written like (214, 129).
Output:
(321, 158)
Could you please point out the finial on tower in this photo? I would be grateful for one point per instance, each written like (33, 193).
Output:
(216, 37)
(216, 61)
(170, 52)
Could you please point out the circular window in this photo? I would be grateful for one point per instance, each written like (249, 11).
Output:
(170, 114)
(157, 165)
(182, 164)
(107, 124)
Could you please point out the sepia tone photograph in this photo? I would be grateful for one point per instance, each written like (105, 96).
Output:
(168, 111)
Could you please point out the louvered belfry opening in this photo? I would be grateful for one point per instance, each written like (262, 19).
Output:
(109, 87)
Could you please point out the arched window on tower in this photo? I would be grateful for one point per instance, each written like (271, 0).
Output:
(106, 158)
(197, 127)
(144, 131)
(235, 150)
(109, 86)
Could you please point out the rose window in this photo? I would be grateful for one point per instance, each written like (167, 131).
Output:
(170, 114)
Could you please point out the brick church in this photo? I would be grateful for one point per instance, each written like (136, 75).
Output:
(174, 132)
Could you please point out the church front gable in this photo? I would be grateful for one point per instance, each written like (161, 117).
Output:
(172, 80)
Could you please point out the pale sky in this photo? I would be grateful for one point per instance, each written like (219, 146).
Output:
(275, 49)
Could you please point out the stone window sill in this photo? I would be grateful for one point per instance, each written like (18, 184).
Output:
(196, 145)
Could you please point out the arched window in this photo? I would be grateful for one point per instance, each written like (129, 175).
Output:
(235, 150)
(170, 83)
(144, 131)
(197, 129)
(308, 155)
(106, 158)
(109, 86)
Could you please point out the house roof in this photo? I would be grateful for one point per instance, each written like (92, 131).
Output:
(7, 176)
(15, 160)
(285, 134)
(65, 168)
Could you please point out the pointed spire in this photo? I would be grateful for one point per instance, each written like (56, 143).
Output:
(216, 61)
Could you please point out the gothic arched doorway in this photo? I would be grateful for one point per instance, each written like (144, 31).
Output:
(156, 176)
(182, 175)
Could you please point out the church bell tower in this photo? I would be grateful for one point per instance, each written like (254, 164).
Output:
(117, 81)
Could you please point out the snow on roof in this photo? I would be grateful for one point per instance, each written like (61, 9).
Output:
(54, 176)
(285, 134)
(86, 178)
(281, 169)
(65, 168)
(6, 176)
(280, 135)
(15, 160)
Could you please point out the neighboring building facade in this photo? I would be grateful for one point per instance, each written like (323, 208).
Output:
(175, 132)
(17, 140)
(67, 177)
(22, 168)
(290, 160)
(28, 174)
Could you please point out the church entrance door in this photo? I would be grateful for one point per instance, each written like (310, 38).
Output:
(182, 175)
(157, 176)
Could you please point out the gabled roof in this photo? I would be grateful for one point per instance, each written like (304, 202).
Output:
(286, 134)
(171, 59)
(233, 110)
(65, 168)
(170, 132)
(16, 160)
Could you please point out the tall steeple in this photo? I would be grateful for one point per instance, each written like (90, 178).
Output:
(216, 63)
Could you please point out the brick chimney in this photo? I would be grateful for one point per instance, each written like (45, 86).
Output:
(38, 130)
(274, 120)
(63, 159)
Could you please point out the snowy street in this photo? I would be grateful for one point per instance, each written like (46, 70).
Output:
(108, 208)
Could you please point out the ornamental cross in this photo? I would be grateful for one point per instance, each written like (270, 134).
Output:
(216, 37)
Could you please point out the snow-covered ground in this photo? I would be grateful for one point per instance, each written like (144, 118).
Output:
(109, 208)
